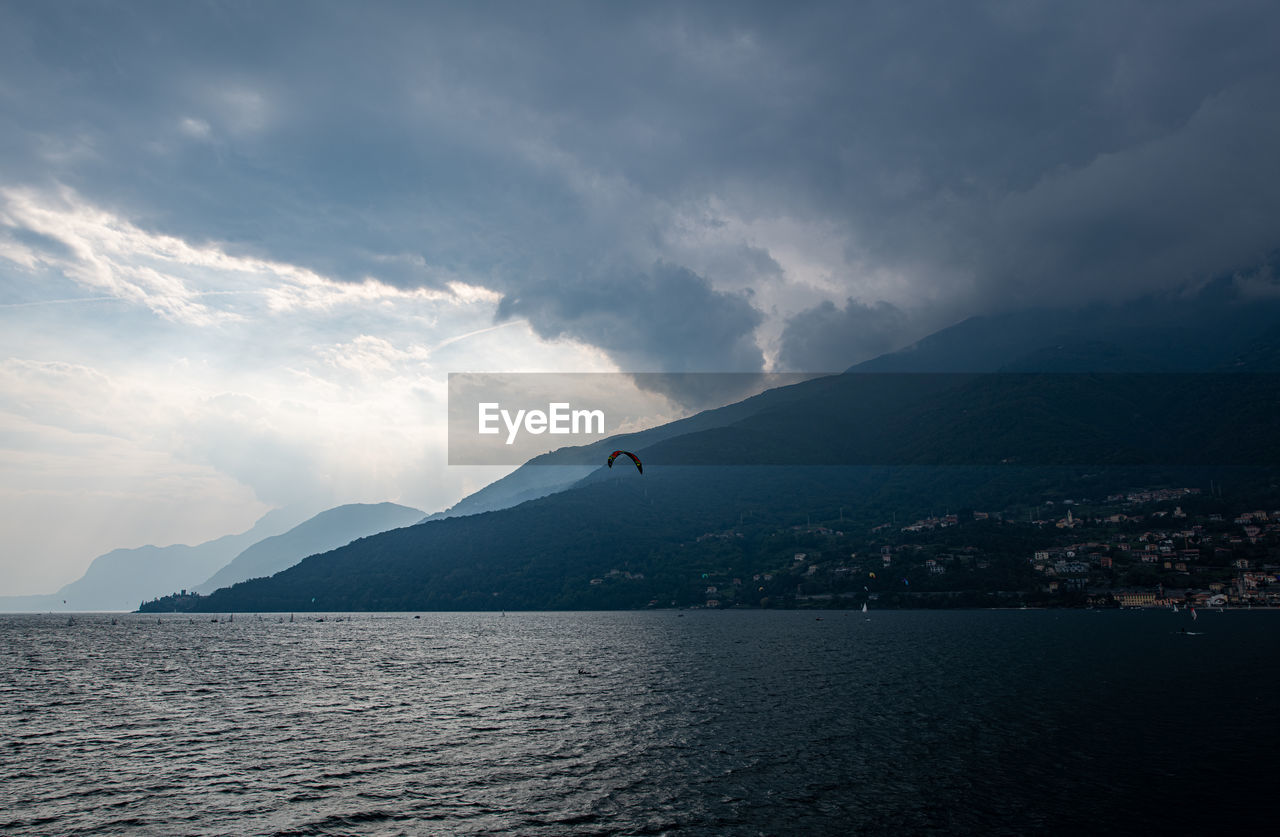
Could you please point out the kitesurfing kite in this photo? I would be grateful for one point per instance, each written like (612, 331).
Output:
(634, 459)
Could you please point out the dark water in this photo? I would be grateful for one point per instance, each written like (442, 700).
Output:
(979, 722)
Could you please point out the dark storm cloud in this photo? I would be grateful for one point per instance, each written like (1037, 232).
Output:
(628, 314)
(982, 156)
(815, 339)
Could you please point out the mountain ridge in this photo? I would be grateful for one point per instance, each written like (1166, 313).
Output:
(546, 553)
(114, 580)
(324, 531)
(899, 439)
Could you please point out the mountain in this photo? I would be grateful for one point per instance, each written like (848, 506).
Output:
(327, 530)
(1098, 401)
(1155, 334)
(558, 470)
(1209, 331)
(866, 447)
(119, 579)
(528, 482)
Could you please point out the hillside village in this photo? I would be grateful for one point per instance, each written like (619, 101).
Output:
(1148, 547)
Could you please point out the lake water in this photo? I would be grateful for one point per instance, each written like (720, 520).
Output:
(689, 722)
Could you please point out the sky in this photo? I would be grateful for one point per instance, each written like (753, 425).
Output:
(243, 244)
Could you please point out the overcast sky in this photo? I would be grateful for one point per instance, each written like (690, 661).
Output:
(243, 244)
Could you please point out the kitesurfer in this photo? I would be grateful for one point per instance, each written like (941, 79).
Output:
(634, 459)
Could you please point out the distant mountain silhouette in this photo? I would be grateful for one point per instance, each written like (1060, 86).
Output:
(121, 578)
(327, 530)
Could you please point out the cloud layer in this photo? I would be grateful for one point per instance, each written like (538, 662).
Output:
(941, 159)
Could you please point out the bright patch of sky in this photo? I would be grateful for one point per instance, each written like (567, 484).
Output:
(156, 391)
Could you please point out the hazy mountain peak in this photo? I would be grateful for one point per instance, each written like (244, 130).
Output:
(119, 579)
(327, 530)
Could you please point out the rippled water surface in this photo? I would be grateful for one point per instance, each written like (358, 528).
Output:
(691, 722)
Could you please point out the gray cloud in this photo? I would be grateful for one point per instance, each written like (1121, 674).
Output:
(978, 158)
(666, 311)
(829, 339)
(1185, 206)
